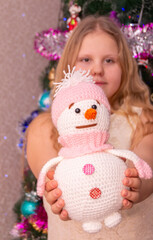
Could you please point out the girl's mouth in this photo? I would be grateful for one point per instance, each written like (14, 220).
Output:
(100, 83)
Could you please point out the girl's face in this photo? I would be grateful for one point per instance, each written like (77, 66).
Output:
(99, 54)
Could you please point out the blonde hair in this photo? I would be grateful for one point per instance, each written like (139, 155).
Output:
(132, 90)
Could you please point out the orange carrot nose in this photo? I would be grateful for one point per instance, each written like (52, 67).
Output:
(90, 114)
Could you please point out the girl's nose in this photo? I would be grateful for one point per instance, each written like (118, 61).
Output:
(97, 69)
(90, 114)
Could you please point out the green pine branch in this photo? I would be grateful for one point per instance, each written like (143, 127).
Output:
(128, 11)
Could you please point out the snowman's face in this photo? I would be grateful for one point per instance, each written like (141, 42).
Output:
(84, 116)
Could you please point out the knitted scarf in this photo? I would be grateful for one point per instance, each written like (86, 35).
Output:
(80, 144)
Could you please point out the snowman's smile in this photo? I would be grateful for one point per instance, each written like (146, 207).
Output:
(86, 126)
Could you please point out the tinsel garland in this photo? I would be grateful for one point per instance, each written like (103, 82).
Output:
(140, 41)
(50, 43)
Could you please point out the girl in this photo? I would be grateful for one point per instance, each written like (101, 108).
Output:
(98, 45)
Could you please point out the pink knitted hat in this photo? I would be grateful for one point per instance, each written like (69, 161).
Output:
(75, 87)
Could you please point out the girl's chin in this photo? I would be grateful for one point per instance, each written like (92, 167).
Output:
(103, 86)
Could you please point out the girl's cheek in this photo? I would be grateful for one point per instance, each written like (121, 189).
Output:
(82, 66)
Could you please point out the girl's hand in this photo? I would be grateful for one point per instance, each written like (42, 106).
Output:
(52, 195)
(132, 181)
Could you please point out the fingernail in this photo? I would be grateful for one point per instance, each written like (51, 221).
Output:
(57, 193)
(125, 193)
(127, 172)
(63, 213)
(60, 203)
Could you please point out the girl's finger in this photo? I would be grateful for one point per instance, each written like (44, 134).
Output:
(126, 204)
(53, 195)
(131, 172)
(50, 185)
(64, 215)
(50, 174)
(130, 195)
(58, 206)
(133, 183)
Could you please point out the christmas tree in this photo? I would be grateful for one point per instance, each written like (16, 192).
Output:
(136, 21)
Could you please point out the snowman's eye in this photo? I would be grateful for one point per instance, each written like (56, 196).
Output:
(94, 106)
(77, 110)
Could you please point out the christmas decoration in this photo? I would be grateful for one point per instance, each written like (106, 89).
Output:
(44, 100)
(20, 229)
(35, 224)
(140, 40)
(48, 76)
(51, 77)
(22, 127)
(50, 43)
(28, 208)
(113, 16)
(31, 215)
(73, 19)
(39, 219)
(81, 113)
(30, 203)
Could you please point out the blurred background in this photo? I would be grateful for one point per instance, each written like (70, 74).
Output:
(20, 69)
(33, 35)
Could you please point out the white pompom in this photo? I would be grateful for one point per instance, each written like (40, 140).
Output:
(73, 78)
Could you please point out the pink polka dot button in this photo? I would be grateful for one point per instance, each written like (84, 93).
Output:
(88, 169)
(95, 193)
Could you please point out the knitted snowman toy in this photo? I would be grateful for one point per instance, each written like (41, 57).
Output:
(89, 171)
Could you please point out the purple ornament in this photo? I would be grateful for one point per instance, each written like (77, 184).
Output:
(113, 16)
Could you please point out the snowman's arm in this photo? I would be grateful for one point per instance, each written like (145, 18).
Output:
(42, 176)
(142, 167)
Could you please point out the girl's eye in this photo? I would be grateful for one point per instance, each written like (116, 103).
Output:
(94, 106)
(108, 60)
(85, 60)
(77, 110)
